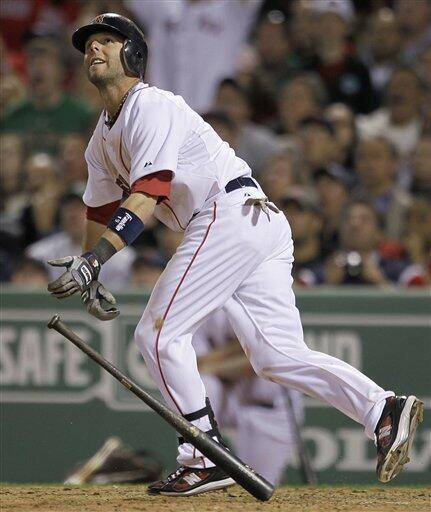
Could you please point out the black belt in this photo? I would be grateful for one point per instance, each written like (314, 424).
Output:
(242, 181)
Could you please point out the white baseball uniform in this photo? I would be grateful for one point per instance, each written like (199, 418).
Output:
(234, 254)
(256, 408)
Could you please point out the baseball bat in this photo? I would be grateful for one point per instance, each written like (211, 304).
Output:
(232, 465)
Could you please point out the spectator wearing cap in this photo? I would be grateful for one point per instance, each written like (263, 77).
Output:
(420, 169)
(193, 45)
(381, 47)
(254, 143)
(303, 96)
(376, 166)
(306, 223)
(399, 119)
(115, 273)
(333, 187)
(342, 118)
(414, 19)
(49, 112)
(347, 80)
(365, 256)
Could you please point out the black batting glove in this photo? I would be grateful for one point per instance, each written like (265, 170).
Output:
(81, 271)
(93, 298)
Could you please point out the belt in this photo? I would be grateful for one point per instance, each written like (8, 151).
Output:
(242, 181)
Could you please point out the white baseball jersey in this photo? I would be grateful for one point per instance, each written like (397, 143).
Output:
(158, 131)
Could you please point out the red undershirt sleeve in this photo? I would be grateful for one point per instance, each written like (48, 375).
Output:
(157, 184)
(102, 214)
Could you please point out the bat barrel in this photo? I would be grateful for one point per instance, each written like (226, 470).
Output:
(232, 465)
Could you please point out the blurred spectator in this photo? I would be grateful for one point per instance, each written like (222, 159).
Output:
(255, 144)
(414, 19)
(49, 113)
(384, 43)
(399, 120)
(44, 190)
(279, 176)
(115, 273)
(12, 194)
(145, 272)
(347, 79)
(342, 119)
(333, 187)
(276, 58)
(318, 145)
(193, 45)
(376, 165)
(417, 236)
(29, 272)
(72, 161)
(420, 168)
(303, 27)
(42, 17)
(12, 92)
(365, 257)
(306, 223)
(225, 127)
(303, 96)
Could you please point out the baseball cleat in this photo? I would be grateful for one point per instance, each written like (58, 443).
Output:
(395, 433)
(187, 481)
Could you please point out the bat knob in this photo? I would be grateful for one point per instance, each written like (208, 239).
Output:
(53, 322)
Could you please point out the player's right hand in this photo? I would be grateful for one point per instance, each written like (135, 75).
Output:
(93, 298)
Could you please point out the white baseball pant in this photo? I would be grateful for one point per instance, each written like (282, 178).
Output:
(239, 257)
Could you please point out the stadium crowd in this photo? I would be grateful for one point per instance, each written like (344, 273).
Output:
(329, 102)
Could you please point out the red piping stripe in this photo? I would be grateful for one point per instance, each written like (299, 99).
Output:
(172, 300)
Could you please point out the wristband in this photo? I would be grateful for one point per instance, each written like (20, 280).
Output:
(127, 225)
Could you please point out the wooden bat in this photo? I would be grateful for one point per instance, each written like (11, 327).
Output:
(232, 465)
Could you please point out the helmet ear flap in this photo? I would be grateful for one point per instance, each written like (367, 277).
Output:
(134, 58)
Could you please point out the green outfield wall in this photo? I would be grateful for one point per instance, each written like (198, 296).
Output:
(58, 407)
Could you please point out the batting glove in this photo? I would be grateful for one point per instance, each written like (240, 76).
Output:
(81, 271)
(93, 298)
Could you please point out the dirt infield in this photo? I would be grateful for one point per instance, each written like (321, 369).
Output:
(287, 499)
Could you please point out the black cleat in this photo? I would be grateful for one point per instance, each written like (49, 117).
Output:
(394, 434)
(187, 481)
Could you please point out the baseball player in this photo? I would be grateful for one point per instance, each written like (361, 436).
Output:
(151, 154)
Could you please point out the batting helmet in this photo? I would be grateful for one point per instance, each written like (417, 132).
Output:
(135, 50)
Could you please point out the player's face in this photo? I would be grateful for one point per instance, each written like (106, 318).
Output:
(102, 58)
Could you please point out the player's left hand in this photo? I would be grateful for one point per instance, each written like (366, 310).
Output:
(78, 276)
(93, 298)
